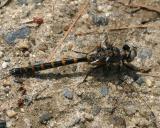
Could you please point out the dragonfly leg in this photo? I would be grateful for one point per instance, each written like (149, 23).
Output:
(79, 52)
(88, 73)
(137, 69)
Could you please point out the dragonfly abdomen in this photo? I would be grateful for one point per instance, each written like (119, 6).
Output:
(38, 67)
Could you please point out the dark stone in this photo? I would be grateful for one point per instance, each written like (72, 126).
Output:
(22, 2)
(118, 122)
(104, 91)
(96, 110)
(68, 94)
(145, 54)
(27, 100)
(100, 20)
(89, 97)
(44, 118)
(130, 110)
(21, 33)
(7, 89)
(37, 1)
(140, 81)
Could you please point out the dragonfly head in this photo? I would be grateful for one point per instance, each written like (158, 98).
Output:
(131, 52)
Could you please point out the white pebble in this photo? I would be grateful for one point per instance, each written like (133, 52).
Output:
(85, 16)
(28, 123)
(5, 64)
(149, 81)
(11, 113)
(1, 54)
(100, 8)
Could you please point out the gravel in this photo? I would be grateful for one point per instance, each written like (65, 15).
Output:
(100, 100)
(21, 33)
(104, 91)
(68, 94)
(44, 118)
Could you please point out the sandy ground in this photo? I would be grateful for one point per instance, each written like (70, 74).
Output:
(53, 98)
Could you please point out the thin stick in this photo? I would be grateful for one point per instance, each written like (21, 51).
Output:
(69, 30)
(118, 29)
(153, 9)
(135, 26)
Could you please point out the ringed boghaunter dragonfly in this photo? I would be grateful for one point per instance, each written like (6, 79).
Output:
(101, 56)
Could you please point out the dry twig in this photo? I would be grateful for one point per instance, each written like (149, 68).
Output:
(135, 26)
(148, 8)
(118, 29)
(81, 11)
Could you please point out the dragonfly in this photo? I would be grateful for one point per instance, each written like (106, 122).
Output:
(101, 56)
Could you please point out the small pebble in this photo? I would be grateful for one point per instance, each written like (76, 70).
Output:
(89, 97)
(68, 94)
(130, 110)
(44, 118)
(22, 2)
(145, 54)
(1, 54)
(42, 47)
(104, 91)
(6, 59)
(7, 84)
(7, 89)
(5, 65)
(88, 117)
(57, 28)
(140, 81)
(96, 125)
(11, 113)
(100, 8)
(37, 1)
(23, 45)
(27, 100)
(26, 53)
(21, 33)
(75, 121)
(28, 123)
(118, 121)
(11, 123)
(149, 81)
(96, 110)
(100, 20)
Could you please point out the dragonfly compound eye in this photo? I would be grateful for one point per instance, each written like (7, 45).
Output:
(126, 47)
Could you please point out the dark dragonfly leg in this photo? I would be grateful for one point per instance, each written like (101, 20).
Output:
(44, 66)
(88, 73)
(137, 69)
